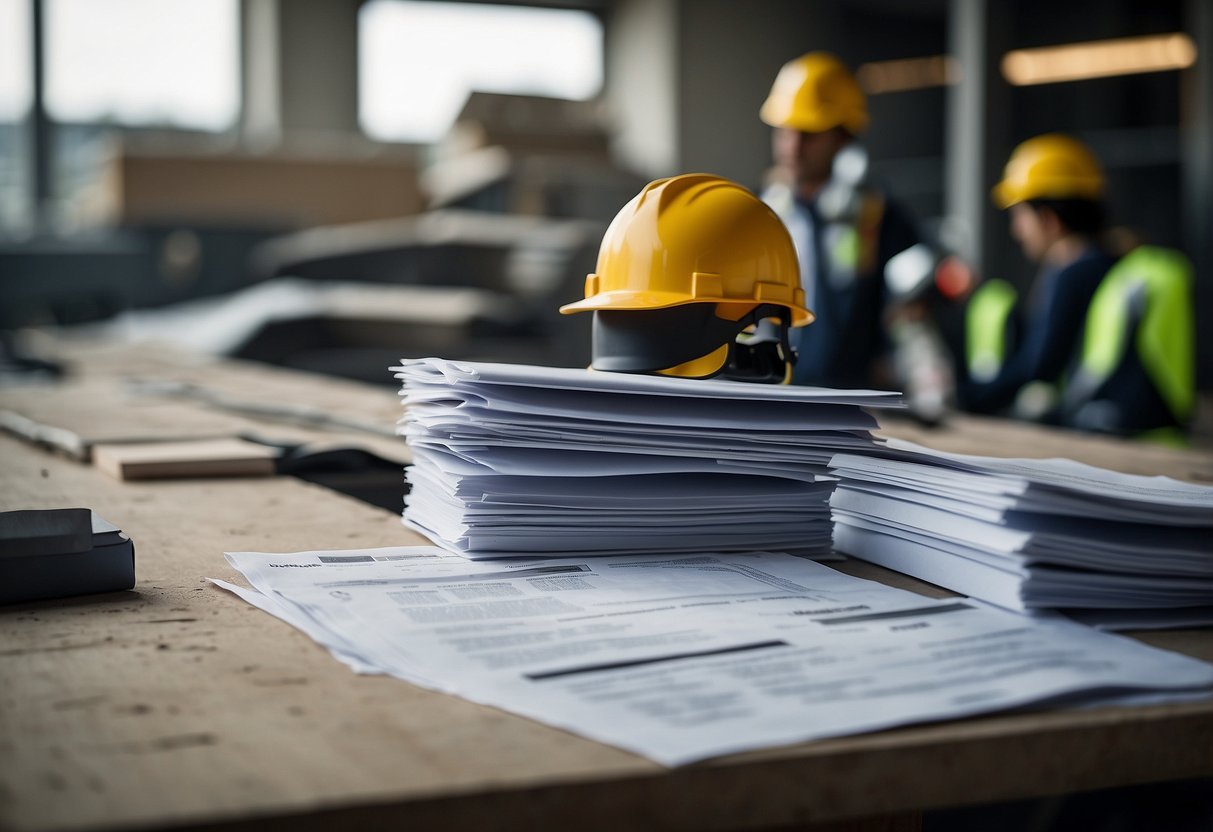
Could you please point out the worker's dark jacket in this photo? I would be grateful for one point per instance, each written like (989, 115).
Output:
(1050, 334)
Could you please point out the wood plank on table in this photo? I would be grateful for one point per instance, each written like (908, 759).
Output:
(227, 457)
(124, 393)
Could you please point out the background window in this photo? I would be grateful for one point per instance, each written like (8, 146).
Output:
(15, 71)
(419, 60)
(172, 63)
(16, 94)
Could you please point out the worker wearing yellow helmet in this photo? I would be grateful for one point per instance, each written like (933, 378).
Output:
(696, 278)
(1052, 190)
(845, 229)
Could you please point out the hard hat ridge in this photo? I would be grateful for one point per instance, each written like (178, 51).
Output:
(672, 188)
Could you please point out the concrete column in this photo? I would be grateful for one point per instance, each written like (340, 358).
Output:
(978, 137)
(1196, 167)
(41, 144)
(260, 69)
(300, 62)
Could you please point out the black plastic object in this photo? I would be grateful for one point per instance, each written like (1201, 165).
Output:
(57, 553)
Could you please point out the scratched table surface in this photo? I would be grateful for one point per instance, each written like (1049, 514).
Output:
(176, 705)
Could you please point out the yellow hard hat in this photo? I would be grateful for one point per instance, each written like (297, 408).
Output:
(702, 258)
(815, 93)
(1052, 166)
(695, 238)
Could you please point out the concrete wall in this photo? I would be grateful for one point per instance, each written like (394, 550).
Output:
(731, 53)
(642, 72)
(686, 79)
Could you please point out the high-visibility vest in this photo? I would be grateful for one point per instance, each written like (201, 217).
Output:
(990, 331)
(987, 327)
(1142, 316)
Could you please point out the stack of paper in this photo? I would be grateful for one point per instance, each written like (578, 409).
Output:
(684, 657)
(1128, 551)
(514, 460)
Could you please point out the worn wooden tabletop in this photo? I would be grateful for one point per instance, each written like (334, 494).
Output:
(176, 705)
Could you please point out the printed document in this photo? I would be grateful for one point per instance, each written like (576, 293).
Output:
(684, 657)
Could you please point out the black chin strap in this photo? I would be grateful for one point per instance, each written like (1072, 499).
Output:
(653, 340)
(761, 358)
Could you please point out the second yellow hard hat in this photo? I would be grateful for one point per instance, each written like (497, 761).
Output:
(1052, 166)
(814, 93)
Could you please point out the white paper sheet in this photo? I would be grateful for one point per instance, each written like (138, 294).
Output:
(447, 373)
(1129, 497)
(685, 657)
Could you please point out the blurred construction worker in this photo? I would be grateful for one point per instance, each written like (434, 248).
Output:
(845, 230)
(1052, 190)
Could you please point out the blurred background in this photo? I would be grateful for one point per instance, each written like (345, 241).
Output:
(333, 185)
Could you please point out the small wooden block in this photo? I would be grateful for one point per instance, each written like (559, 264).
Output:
(184, 460)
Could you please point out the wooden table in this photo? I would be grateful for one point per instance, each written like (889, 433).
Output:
(177, 705)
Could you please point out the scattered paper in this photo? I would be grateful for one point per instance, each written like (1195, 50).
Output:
(681, 658)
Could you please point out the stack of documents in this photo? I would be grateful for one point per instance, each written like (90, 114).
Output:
(1121, 551)
(684, 657)
(513, 460)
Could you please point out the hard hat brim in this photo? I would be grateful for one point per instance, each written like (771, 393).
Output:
(647, 299)
(1005, 194)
